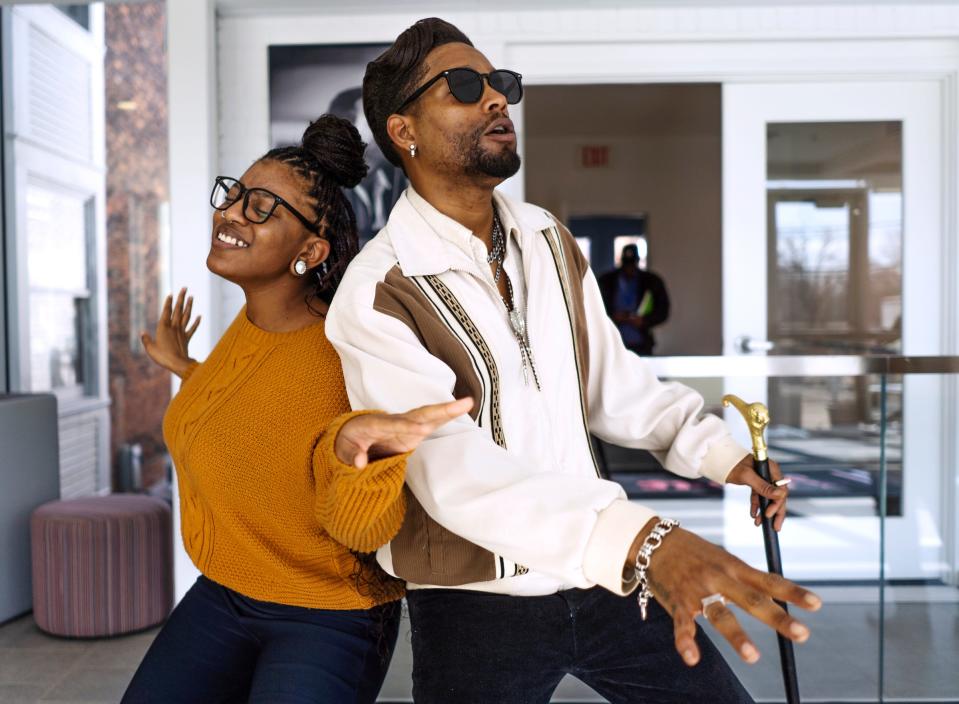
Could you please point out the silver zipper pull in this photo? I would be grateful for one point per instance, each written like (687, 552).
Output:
(522, 356)
(518, 324)
(532, 364)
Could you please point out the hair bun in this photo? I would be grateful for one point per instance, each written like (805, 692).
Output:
(336, 145)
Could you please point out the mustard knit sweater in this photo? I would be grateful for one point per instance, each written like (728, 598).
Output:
(266, 508)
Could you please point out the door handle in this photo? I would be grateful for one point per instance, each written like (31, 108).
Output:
(747, 344)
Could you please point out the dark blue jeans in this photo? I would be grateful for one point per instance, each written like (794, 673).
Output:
(219, 646)
(475, 648)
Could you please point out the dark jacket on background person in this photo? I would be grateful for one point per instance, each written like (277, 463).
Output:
(648, 282)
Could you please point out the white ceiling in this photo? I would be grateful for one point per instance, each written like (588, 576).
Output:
(427, 7)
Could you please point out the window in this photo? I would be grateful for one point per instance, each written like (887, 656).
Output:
(642, 245)
(78, 13)
(585, 246)
(835, 236)
(58, 264)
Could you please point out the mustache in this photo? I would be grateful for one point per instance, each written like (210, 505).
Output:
(480, 131)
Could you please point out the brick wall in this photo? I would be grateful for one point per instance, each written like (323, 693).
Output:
(137, 195)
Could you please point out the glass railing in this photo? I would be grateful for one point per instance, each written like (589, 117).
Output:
(870, 444)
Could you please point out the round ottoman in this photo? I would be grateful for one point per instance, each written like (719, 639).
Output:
(101, 565)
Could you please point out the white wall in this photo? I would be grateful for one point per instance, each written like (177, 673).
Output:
(192, 124)
(676, 181)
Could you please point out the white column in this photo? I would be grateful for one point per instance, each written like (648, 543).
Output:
(191, 43)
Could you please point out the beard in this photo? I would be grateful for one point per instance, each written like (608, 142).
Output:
(477, 161)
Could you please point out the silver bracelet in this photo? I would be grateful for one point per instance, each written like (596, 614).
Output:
(649, 546)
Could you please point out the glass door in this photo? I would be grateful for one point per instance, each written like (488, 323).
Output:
(832, 246)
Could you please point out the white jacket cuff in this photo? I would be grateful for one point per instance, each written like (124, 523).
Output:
(720, 459)
(608, 546)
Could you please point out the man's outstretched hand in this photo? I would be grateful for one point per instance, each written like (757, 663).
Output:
(686, 569)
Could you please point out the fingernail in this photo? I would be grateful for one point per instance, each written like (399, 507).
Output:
(689, 657)
(799, 630)
(749, 653)
(813, 601)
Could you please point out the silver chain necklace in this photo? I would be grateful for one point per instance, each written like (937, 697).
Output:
(517, 320)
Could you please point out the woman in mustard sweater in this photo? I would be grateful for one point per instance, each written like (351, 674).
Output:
(280, 486)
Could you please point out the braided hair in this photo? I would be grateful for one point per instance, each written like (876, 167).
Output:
(330, 158)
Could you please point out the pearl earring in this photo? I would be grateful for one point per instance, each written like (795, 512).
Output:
(413, 151)
(299, 267)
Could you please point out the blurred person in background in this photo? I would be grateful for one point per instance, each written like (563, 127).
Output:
(636, 300)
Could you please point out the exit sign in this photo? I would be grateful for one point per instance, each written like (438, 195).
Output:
(594, 156)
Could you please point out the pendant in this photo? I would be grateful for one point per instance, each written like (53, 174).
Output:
(518, 324)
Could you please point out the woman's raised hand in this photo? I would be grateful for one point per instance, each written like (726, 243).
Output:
(169, 347)
(376, 435)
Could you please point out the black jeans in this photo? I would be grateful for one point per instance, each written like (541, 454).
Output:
(476, 648)
(219, 646)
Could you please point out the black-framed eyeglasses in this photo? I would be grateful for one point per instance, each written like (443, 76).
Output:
(258, 203)
(466, 85)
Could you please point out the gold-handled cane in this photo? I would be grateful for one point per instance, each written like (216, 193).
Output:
(757, 418)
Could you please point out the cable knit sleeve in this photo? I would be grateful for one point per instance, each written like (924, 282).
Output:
(189, 370)
(360, 508)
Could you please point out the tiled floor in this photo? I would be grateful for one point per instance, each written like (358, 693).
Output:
(35, 667)
(839, 663)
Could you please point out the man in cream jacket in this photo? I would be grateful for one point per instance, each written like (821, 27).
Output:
(518, 556)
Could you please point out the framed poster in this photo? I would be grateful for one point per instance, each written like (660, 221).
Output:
(307, 81)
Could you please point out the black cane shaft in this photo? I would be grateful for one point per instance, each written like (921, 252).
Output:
(787, 659)
(774, 563)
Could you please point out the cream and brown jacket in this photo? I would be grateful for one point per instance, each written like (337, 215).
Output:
(509, 499)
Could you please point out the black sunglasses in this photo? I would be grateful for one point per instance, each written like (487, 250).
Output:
(466, 85)
(258, 203)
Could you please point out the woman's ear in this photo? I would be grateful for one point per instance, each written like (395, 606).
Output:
(314, 252)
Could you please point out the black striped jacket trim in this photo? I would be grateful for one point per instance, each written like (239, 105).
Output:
(454, 306)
